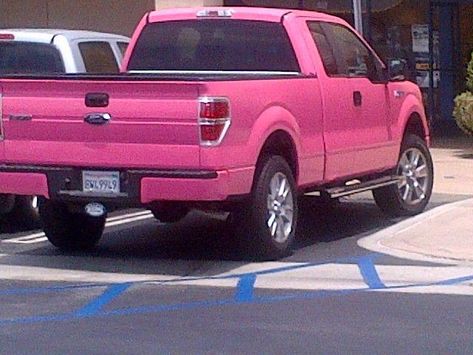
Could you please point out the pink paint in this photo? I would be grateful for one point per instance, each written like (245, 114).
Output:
(154, 123)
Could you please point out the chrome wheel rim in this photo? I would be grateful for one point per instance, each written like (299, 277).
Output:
(415, 176)
(34, 202)
(280, 208)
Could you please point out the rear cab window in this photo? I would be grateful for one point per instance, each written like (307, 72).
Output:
(214, 45)
(18, 57)
(98, 57)
(122, 46)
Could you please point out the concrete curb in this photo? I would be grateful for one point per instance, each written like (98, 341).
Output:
(394, 240)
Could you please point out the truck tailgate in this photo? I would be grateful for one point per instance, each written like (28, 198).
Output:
(152, 125)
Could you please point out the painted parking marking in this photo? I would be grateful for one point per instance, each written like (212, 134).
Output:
(129, 220)
(96, 305)
(40, 237)
(369, 273)
(245, 286)
(27, 239)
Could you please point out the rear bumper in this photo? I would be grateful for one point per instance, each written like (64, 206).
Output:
(137, 187)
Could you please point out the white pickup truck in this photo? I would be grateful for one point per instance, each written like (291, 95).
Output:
(49, 51)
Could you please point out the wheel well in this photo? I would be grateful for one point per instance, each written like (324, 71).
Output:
(415, 126)
(281, 143)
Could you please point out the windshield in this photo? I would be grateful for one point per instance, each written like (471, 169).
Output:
(214, 45)
(26, 58)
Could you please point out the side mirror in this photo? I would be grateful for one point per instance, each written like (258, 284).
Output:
(397, 69)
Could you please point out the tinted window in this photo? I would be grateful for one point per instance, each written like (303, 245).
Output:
(29, 58)
(352, 57)
(122, 47)
(215, 45)
(325, 50)
(98, 57)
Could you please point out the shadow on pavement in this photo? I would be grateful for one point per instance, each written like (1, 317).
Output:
(202, 240)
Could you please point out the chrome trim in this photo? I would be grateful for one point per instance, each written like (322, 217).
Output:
(345, 190)
(97, 118)
(208, 122)
(280, 207)
(414, 171)
(398, 94)
(363, 189)
(225, 13)
(79, 193)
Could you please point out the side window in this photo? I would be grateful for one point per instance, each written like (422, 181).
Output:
(325, 50)
(122, 47)
(98, 57)
(352, 57)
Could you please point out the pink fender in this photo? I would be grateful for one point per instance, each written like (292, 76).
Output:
(272, 119)
(411, 105)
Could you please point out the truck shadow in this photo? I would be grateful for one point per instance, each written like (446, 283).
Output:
(206, 242)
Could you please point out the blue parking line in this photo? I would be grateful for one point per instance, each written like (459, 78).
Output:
(51, 289)
(369, 273)
(245, 288)
(98, 303)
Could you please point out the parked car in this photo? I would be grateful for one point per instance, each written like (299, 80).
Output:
(47, 51)
(240, 110)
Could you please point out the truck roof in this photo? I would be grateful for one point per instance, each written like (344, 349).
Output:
(46, 35)
(242, 13)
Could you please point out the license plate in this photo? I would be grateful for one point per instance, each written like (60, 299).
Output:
(101, 181)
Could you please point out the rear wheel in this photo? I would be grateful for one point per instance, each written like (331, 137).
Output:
(415, 169)
(268, 220)
(25, 211)
(70, 230)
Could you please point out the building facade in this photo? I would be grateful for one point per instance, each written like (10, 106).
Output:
(433, 36)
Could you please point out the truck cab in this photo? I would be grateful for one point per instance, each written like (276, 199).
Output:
(37, 51)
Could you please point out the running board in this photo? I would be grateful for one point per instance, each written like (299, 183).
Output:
(350, 189)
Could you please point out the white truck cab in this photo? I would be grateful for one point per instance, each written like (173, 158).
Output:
(48, 51)
(36, 51)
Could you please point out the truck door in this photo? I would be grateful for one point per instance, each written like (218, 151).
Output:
(356, 120)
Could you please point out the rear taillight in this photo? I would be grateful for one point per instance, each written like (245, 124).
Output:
(214, 120)
(6, 37)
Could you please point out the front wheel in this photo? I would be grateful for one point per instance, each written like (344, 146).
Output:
(267, 222)
(70, 230)
(415, 169)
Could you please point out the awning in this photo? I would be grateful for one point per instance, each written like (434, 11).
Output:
(334, 6)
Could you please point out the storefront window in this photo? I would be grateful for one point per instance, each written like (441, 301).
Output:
(403, 29)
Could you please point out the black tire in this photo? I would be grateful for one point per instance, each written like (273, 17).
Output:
(253, 217)
(169, 212)
(391, 199)
(68, 230)
(25, 212)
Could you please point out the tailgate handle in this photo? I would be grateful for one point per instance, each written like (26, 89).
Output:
(97, 118)
(96, 99)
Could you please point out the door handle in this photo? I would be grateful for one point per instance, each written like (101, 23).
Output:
(357, 98)
(97, 118)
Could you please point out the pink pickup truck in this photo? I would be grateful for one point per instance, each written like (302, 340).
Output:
(232, 109)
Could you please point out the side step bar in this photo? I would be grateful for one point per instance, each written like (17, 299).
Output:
(340, 191)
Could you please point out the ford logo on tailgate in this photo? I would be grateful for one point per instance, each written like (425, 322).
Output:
(97, 118)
